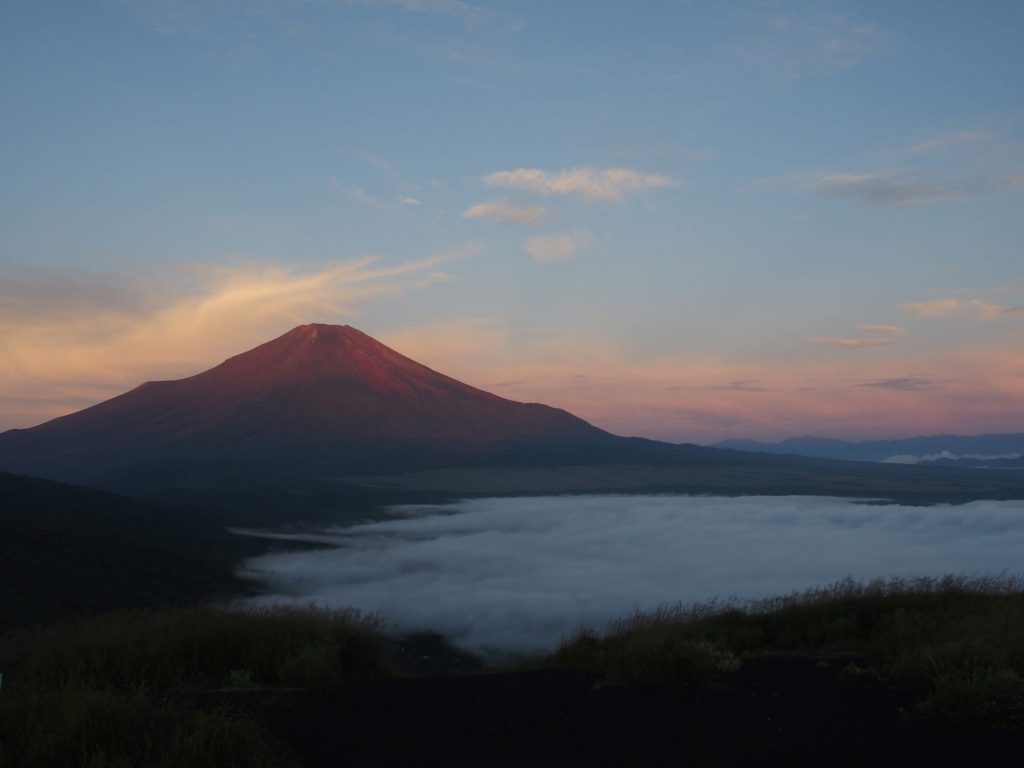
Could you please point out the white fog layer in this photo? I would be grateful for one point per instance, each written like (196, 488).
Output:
(521, 573)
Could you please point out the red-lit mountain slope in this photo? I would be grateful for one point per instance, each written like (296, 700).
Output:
(319, 397)
(322, 403)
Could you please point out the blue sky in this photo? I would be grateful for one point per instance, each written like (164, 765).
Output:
(688, 220)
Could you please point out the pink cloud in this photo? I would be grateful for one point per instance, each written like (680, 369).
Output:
(851, 343)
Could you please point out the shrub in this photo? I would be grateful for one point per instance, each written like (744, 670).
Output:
(241, 679)
(957, 642)
(648, 656)
(197, 648)
(91, 728)
(664, 658)
(975, 696)
(102, 692)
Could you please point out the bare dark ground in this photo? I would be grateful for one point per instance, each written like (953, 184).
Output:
(785, 711)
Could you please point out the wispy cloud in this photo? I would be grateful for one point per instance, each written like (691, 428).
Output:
(850, 343)
(28, 294)
(905, 383)
(890, 190)
(127, 332)
(394, 180)
(562, 247)
(742, 385)
(359, 194)
(978, 308)
(465, 11)
(507, 213)
(381, 165)
(195, 17)
(933, 308)
(991, 311)
(693, 397)
(1015, 181)
(588, 183)
(228, 224)
(167, 17)
(889, 330)
(949, 141)
(949, 169)
(793, 46)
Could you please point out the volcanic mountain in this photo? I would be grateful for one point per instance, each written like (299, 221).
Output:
(319, 399)
(326, 417)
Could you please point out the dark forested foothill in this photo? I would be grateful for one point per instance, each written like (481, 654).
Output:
(70, 550)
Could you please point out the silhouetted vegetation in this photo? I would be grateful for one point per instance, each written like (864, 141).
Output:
(70, 551)
(957, 643)
(203, 686)
(100, 729)
(115, 690)
(197, 648)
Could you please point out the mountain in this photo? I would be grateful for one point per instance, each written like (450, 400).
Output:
(1000, 449)
(321, 398)
(325, 421)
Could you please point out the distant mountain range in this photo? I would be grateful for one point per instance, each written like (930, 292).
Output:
(326, 418)
(994, 450)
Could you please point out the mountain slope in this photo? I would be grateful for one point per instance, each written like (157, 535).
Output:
(324, 418)
(322, 396)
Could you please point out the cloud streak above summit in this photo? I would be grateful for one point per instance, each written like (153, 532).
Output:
(147, 331)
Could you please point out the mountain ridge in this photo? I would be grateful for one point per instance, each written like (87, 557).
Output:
(325, 418)
(995, 448)
(318, 393)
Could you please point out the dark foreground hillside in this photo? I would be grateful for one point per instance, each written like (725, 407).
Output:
(886, 673)
(69, 551)
(777, 710)
(890, 673)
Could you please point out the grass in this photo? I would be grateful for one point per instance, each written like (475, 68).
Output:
(117, 690)
(92, 728)
(198, 648)
(106, 691)
(956, 642)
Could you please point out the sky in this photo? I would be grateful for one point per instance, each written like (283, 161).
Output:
(521, 574)
(684, 220)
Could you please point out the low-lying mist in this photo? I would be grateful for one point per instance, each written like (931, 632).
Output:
(519, 574)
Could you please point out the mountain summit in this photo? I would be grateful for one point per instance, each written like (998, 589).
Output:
(293, 424)
(320, 398)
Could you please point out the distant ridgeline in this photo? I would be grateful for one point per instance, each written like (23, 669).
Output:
(1005, 450)
(325, 416)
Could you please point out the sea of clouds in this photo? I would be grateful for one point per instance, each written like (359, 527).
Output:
(519, 574)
